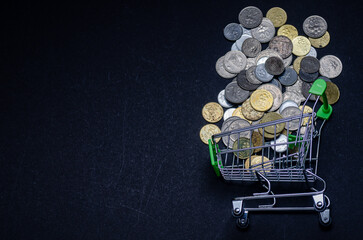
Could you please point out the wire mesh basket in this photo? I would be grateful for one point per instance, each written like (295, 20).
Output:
(288, 157)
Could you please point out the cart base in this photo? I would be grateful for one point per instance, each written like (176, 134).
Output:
(320, 205)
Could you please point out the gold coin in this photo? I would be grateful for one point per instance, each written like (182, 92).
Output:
(307, 109)
(247, 162)
(238, 113)
(300, 46)
(261, 100)
(321, 42)
(212, 112)
(296, 64)
(208, 131)
(288, 31)
(259, 162)
(249, 112)
(257, 141)
(242, 143)
(277, 16)
(268, 135)
(332, 93)
(272, 116)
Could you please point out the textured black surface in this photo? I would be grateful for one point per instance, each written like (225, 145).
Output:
(101, 112)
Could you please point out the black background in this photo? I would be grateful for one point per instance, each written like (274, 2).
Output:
(101, 112)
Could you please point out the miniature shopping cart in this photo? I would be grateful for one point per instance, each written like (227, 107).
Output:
(297, 162)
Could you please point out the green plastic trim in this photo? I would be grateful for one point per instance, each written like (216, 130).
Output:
(293, 138)
(213, 157)
(318, 88)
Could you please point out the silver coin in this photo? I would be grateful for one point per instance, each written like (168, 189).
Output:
(226, 123)
(288, 77)
(308, 77)
(234, 47)
(240, 41)
(304, 128)
(265, 31)
(235, 94)
(255, 123)
(266, 54)
(238, 124)
(228, 113)
(262, 60)
(231, 124)
(250, 63)
(274, 66)
(310, 64)
(251, 47)
(246, 31)
(276, 94)
(225, 127)
(244, 83)
(280, 148)
(299, 96)
(234, 61)
(221, 70)
(291, 96)
(262, 74)
(305, 87)
(315, 26)
(287, 61)
(282, 45)
(289, 112)
(312, 52)
(250, 17)
(223, 101)
(287, 103)
(276, 83)
(297, 87)
(330, 66)
(233, 31)
(251, 75)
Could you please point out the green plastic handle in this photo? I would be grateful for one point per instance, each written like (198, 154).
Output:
(318, 88)
(213, 157)
(292, 138)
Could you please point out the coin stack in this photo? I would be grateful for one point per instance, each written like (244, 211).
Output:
(271, 83)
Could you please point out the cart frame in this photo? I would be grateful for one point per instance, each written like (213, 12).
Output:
(295, 164)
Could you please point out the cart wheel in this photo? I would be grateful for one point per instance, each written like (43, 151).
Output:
(320, 206)
(242, 222)
(325, 218)
(236, 212)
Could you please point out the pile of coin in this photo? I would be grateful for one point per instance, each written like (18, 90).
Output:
(271, 83)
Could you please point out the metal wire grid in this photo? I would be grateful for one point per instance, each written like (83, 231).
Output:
(287, 166)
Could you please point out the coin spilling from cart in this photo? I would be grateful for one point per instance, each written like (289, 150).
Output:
(272, 110)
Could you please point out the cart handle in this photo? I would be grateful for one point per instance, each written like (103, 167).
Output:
(213, 156)
(318, 88)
